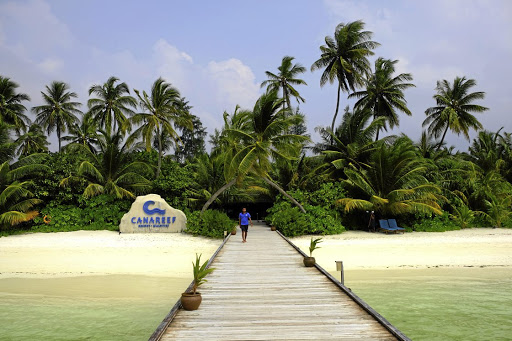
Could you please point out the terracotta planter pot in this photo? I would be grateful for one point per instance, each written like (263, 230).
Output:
(272, 228)
(190, 301)
(233, 232)
(309, 261)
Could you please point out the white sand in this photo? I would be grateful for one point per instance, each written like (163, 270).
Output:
(83, 253)
(417, 250)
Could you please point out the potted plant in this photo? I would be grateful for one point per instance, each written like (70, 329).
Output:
(233, 231)
(192, 300)
(310, 261)
(272, 224)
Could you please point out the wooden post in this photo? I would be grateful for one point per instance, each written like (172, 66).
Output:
(339, 267)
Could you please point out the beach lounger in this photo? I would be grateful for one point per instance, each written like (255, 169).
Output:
(392, 224)
(384, 226)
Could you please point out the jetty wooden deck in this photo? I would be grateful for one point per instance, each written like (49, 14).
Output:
(261, 290)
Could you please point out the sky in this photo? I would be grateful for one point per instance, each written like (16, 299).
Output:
(217, 52)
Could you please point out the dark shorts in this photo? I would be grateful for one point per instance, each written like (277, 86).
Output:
(244, 228)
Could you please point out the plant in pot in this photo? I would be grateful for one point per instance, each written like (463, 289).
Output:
(313, 245)
(233, 231)
(191, 300)
(272, 225)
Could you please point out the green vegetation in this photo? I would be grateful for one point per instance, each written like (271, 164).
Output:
(211, 223)
(123, 146)
(313, 245)
(200, 272)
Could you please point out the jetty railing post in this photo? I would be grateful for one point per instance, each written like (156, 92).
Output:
(339, 267)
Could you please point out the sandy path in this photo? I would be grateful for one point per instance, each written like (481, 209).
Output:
(44, 255)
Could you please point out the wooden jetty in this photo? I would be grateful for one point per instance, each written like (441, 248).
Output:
(261, 290)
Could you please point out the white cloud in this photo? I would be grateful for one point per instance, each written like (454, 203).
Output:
(33, 28)
(234, 82)
(50, 65)
(377, 19)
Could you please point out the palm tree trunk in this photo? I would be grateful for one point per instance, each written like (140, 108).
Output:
(336, 113)
(442, 138)
(283, 192)
(58, 135)
(216, 194)
(284, 98)
(159, 151)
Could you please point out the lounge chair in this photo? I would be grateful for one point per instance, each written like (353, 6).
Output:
(392, 224)
(384, 227)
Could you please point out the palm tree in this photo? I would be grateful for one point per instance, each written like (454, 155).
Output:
(162, 114)
(112, 106)
(33, 141)
(11, 107)
(58, 112)
(351, 143)
(84, 133)
(426, 147)
(110, 171)
(265, 140)
(226, 146)
(394, 183)
(7, 146)
(344, 58)
(285, 79)
(384, 93)
(16, 200)
(454, 108)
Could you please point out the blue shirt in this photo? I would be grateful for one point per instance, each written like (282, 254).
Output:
(244, 218)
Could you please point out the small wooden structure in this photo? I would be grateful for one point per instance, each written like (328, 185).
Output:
(261, 290)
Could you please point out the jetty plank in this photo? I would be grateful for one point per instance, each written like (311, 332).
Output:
(261, 290)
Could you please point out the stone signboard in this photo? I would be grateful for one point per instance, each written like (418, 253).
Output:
(150, 213)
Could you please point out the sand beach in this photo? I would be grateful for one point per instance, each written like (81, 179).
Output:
(86, 253)
(110, 284)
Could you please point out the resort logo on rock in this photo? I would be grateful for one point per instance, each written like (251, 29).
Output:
(153, 221)
(150, 213)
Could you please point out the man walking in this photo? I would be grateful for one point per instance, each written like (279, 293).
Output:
(244, 219)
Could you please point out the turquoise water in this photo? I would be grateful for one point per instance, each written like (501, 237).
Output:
(429, 304)
(86, 308)
(441, 304)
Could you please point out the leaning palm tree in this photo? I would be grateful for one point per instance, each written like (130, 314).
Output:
(110, 170)
(58, 112)
(16, 200)
(12, 111)
(112, 105)
(394, 183)
(162, 113)
(33, 141)
(454, 107)
(264, 140)
(226, 146)
(344, 58)
(285, 79)
(384, 93)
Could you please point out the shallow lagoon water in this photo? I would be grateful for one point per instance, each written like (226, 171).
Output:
(426, 304)
(86, 308)
(440, 303)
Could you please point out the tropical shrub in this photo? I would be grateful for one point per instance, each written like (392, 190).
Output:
(211, 223)
(103, 212)
(436, 224)
(292, 222)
